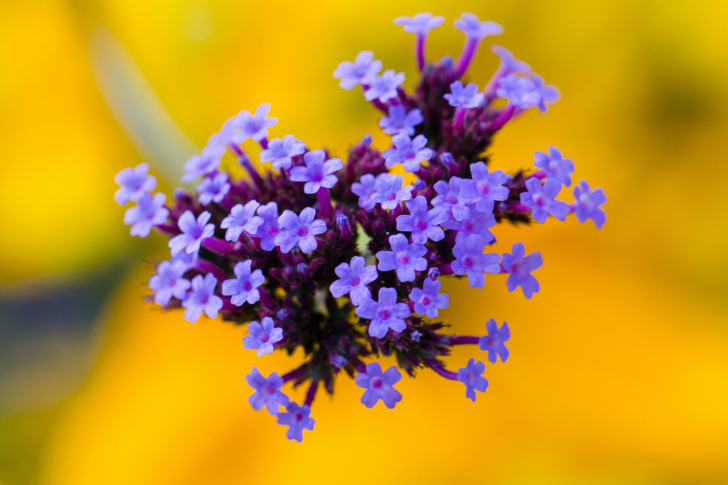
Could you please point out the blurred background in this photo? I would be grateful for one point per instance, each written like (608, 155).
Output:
(619, 367)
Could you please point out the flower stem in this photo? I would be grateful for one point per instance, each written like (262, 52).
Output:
(324, 200)
(246, 163)
(463, 340)
(466, 57)
(311, 393)
(447, 374)
(420, 51)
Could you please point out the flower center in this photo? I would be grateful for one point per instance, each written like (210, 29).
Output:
(404, 259)
(302, 231)
(426, 300)
(377, 383)
(421, 225)
(270, 390)
(265, 338)
(483, 189)
(356, 281)
(298, 416)
(468, 262)
(384, 314)
(247, 286)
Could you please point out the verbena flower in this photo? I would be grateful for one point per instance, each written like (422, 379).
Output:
(289, 248)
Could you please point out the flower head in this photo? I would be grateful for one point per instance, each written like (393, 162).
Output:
(509, 63)
(204, 163)
(488, 186)
(404, 257)
(471, 376)
(388, 191)
(244, 287)
(280, 151)
(299, 230)
(361, 71)
(400, 121)
(588, 204)
(555, 165)
(422, 223)
(134, 183)
(267, 391)
(148, 212)
(169, 281)
(455, 196)
(353, 280)
(477, 223)
(297, 418)
(520, 267)
(262, 337)
(408, 152)
(470, 260)
(428, 300)
(379, 385)
(384, 314)
(193, 232)
(255, 126)
(541, 199)
(213, 189)
(318, 172)
(470, 25)
(202, 299)
(242, 218)
(464, 97)
(364, 188)
(384, 87)
(494, 342)
(420, 24)
(525, 92)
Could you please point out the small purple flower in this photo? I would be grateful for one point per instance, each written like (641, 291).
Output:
(525, 92)
(361, 71)
(297, 418)
(353, 280)
(588, 202)
(408, 152)
(134, 183)
(509, 63)
(488, 186)
(245, 286)
(494, 342)
(213, 189)
(255, 126)
(404, 257)
(378, 385)
(188, 260)
(476, 223)
(420, 24)
(520, 267)
(202, 298)
(280, 151)
(470, 25)
(471, 261)
(541, 199)
(193, 232)
(267, 391)
(384, 87)
(262, 337)
(400, 121)
(428, 300)
(318, 171)
(389, 192)
(471, 376)
(364, 188)
(204, 163)
(169, 281)
(385, 314)
(242, 218)
(455, 197)
(422, 223)
(464, 97)
(268, 231)
(148, 212)
(555, 165)
(299, 230)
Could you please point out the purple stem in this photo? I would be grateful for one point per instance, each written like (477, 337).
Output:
(467, 55)
(506, 115)
(518, 207)
(264, 143)
(360, 367)
(295, 374)
(492, 85)
(311, 393)
(459, 116)
(168, 229)
(445, 269)
(447, 374)
(324, 200)
(378, 104)
(420, 51)
(219, 246)
(540, 175)
(244, 160)
(207, 267)
(463, 340)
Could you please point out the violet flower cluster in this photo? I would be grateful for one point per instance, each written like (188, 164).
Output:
(345, 260)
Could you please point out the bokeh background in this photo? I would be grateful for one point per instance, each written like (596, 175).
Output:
(619, 367)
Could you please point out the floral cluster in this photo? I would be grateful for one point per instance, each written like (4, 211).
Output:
(345, 260)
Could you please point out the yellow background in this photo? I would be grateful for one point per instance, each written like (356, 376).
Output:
(619, 367)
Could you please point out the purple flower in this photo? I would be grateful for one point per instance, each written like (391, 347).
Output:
(202, 298)
(169, 281)
(188, 260)
(556, 166)
(494, 342)
(299, 230)
(204, 163)
(213, 189)
(588, 202)
(464, 97)
(389, 192)
(385, 314)
(470, 25)
(471, 376)
(509, 63)
(384, 87)
(541, 199)
(476, 223)
(268, 231)
(242, 218)
(255, 126)
(400, 121)
(455, 197)
(267, 391)
(280, 151)
(407, 152)
(361, 71)
(297, 418)
(520, 266)
(406, 258)
(378, 385)
(245, 286)
(423, 224)
(364, 188)
(524, 92)
(420, 24)
(353, 280)
(148, 212)
(193, 232)
(316, 173)
(134, 183)
(262, 337)
(488, 186)
(471, 261)
(427, 300)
